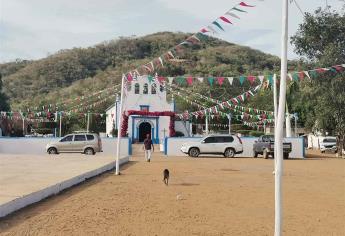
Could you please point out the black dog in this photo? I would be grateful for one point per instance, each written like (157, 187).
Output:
(166, 176)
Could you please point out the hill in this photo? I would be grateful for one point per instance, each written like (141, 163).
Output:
(79, 71)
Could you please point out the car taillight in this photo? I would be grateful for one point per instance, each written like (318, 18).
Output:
(239, 139)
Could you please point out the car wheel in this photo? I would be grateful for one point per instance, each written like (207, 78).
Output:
(89, 151)
(255, 154)
(286, 155)
(194, 152)
(229, 152)
(265, 154)
(52, 151)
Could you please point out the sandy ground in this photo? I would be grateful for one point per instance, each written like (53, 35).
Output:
(206, 196)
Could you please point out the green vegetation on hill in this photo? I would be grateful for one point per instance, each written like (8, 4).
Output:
(77, 72)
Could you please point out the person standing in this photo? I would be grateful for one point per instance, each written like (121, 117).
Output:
(148, 144)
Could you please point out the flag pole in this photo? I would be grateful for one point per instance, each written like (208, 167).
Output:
(280, 123)
(117, 168)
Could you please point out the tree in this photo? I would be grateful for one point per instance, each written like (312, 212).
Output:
(4, 106)
(321, 40)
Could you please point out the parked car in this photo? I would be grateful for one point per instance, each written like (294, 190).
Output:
(87, 143)
(328, 144)
(265, 146)
(227, 145)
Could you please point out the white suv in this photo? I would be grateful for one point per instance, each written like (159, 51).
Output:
(227, 145)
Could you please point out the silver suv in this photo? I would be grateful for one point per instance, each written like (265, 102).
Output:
(87, 143)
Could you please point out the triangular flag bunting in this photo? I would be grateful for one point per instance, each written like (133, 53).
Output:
(189, 80)
(243, 4)
(170, 79)
(218, 25)
(241, 79)
(210, 80)
(225, 19)
(232, 14)
(230, 79)
(220, 80)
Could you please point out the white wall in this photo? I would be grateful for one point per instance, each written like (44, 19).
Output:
(183, 127)
(173, 145)
(37, 145)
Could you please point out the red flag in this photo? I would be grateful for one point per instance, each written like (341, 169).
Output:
(203, 30)
(161, 79)
(251, 79)
(225, 19)
(220, 80)
(243, 4)
(189, 80)
(301, 75)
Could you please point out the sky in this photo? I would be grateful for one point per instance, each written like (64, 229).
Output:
(33, 29)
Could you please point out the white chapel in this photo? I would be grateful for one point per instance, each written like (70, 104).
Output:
(143, 95)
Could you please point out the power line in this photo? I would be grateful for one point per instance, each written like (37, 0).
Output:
(298, 6)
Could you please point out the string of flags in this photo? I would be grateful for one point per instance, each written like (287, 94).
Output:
(81, 100)
(217, 109)
(235, 107)
(266, 79)
(216, 26)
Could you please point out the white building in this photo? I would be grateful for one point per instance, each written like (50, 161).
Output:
(145, 96)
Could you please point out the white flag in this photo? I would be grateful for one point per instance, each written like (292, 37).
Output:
(230, 79)
(261, 78)
(171, 79)
(307, 74)
(200, 79)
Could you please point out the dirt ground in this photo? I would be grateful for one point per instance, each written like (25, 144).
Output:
(206, 196)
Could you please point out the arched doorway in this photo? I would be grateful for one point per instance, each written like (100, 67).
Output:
(144, 129)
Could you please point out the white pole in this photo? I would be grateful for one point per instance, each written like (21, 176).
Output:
(295, 116)
(280, 123)
(55, 120)
(206, 125)
(60, 124)
(275, 100)
(275, 113)
(229, 117)
(117, 170)
(88, 122)
(23, 118)
(288, 130)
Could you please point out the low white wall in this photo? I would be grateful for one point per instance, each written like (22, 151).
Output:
(31, 198)
(173, 146)
(37, 145)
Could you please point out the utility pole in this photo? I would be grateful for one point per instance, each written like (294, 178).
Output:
(206, 124)
(229, 117)
(60, 131)
(296, 118)
(88, 122)
(55, 120)
(117, 170)
(278, 152)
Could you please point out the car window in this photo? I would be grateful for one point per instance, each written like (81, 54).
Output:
(329, 140)
(210, 140)
(68, 138)
(90, 137)
(79, 137)
(228, 139)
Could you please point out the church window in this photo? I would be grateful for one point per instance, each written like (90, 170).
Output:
(153, 88)
(144, 108)
(161, 88)
(146, 89)
(137, 88)
(129, 87)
